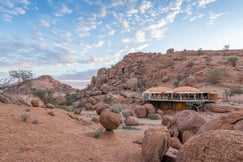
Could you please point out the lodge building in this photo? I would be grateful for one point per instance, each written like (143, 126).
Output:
(180, 98)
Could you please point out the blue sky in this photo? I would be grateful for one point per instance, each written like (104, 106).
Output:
(71, 39)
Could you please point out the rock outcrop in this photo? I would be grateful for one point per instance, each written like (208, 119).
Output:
(155, 144)
(187, 120)
(216, 145)
(231, 121)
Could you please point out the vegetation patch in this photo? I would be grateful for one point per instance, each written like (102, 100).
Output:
(176, 83)
(118, 107)
(236, 91)
(24, 117)
(107, 99)
(63, 107)
(97, 133)
(215, 76)
(152, 116)
(233, 60)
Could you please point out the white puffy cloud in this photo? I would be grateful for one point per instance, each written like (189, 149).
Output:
(214, 17)
(145, 6)
(9, 8)
(138, 48)
(63, 11)
(98, 44)
(140, 36)
(199, 16)
(203, 3)
(103, 11)
(44, 23)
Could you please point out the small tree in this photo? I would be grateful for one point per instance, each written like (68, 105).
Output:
(21, 75)
(4, 82)
(176, 83)
(214, 76)
(232, 60)
(226, 47)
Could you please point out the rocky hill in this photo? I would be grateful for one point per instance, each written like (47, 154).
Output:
(41, 83)
(202, 68)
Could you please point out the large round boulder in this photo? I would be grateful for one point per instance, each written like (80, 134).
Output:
(149, 108)
(100, 107)
(231, 121)
(131, 121)
(140, 112)
(127, 112)
(156, 142)
(216, 145)
(110, 120)
(187, 120)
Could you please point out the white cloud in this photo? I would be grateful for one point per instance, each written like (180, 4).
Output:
(44, 23)
(126, 40)
(84, 26)
(214, 17)
(98, 44)
(111, 32)
(9, 9)
(140, 36)
(63, 11)
(203, 3)
(158, 33)
(103, 11)
(138, 48)
(132, 12)
(199, 16)
(145, 6)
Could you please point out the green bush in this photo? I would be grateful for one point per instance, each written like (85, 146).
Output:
(215, 76)
(118, 107)
(71, 98)
(107, 99)
(63, 107)
(24, 117)
(176, 83)
(152, 116)
(97, 133)
(236, 91)
(232, 60)
(44, 95)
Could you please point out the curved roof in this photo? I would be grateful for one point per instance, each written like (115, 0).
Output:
(186, 89)
(158, 89)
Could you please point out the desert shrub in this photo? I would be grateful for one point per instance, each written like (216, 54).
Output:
(141, 84)
(24, 117)
(97, 133)
(81, 104)
(171, 64)
(107, 99)
(236, 91)
(27, 109)
(44, 95)
(176, 83)
(63, 107)
(199, 51)
(118, 107)
(214, 76)
(71, 98)
(152, 116)
(232, 60)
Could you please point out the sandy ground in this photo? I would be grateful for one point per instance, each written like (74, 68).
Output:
(60, 138)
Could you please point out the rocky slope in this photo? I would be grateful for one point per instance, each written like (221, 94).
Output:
(138, 71)
(41, 83)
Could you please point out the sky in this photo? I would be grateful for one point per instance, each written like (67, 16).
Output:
(71, 39)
